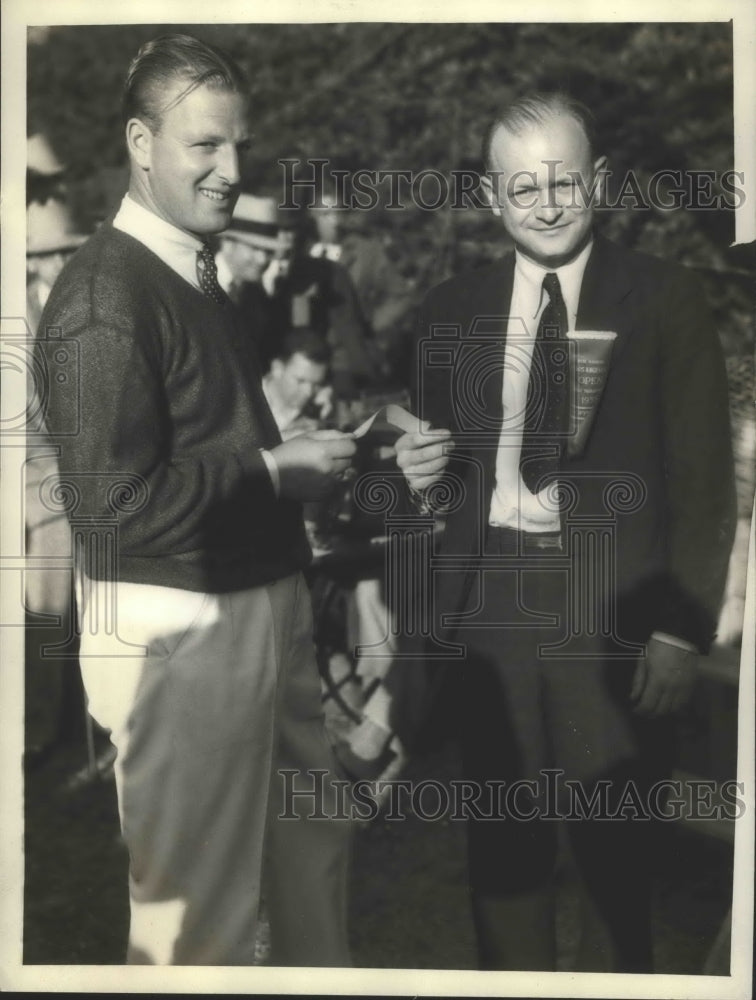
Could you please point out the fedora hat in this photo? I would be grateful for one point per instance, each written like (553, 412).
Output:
(255, 221)
(49, 228)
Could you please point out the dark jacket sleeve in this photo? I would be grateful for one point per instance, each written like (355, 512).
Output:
(701, 503)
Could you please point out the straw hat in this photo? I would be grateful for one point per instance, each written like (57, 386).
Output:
(49, 228)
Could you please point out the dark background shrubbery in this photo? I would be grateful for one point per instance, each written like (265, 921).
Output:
(416, 97)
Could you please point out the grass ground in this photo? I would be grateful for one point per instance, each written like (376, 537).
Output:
(409, 906)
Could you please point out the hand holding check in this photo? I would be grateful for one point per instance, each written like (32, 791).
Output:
(309, 465)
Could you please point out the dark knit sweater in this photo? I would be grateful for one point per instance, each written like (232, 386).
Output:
(165, 399)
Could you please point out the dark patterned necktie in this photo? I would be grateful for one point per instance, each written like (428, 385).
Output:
(207, 275)
(546, 410)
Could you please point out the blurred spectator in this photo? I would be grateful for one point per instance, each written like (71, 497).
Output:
(51, 239)
(245, 252)
(263, 268)
(300, 399)
(385, 295)
(45, 174)
(248, 246)
(318, 294)
(296, 386)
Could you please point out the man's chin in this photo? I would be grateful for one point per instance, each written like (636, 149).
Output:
(555, 251)
(216, 216)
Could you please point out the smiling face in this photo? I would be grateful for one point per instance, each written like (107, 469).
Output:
(541, 188)
(188, 171)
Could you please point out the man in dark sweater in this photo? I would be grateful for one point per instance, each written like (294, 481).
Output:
(196, 644)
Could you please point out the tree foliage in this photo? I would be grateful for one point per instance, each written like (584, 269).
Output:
(417, 97)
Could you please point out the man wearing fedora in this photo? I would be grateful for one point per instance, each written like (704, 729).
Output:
(249, 258)
(248, 246)
(279, 287)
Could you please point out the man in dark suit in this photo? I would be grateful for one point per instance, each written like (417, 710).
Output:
(582, 561)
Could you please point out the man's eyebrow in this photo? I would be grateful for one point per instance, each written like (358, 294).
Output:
(192, 137)
(217, 137)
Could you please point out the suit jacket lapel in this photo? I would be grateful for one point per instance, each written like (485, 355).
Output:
(490, 324)
(603, 306)
(605, 286)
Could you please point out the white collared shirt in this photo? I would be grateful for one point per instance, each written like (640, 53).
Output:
(173, 246)
(512, 503)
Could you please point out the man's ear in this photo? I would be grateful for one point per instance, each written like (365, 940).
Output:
(139, 142)
(489, 195)
(276, 367)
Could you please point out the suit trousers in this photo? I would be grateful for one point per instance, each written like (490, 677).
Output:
(543, 732)
(209, 698)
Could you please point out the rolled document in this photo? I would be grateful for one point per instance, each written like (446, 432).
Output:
(592, 353)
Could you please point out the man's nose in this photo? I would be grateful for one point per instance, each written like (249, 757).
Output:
(227, 164)
(548, 208)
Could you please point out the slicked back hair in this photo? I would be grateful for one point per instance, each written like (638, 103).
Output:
(539, 108)
(304, 340)
(166, 59)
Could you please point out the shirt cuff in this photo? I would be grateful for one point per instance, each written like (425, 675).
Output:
(273, 470)
(674, 640)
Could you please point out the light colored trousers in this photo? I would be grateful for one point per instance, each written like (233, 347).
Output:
(222, 697)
